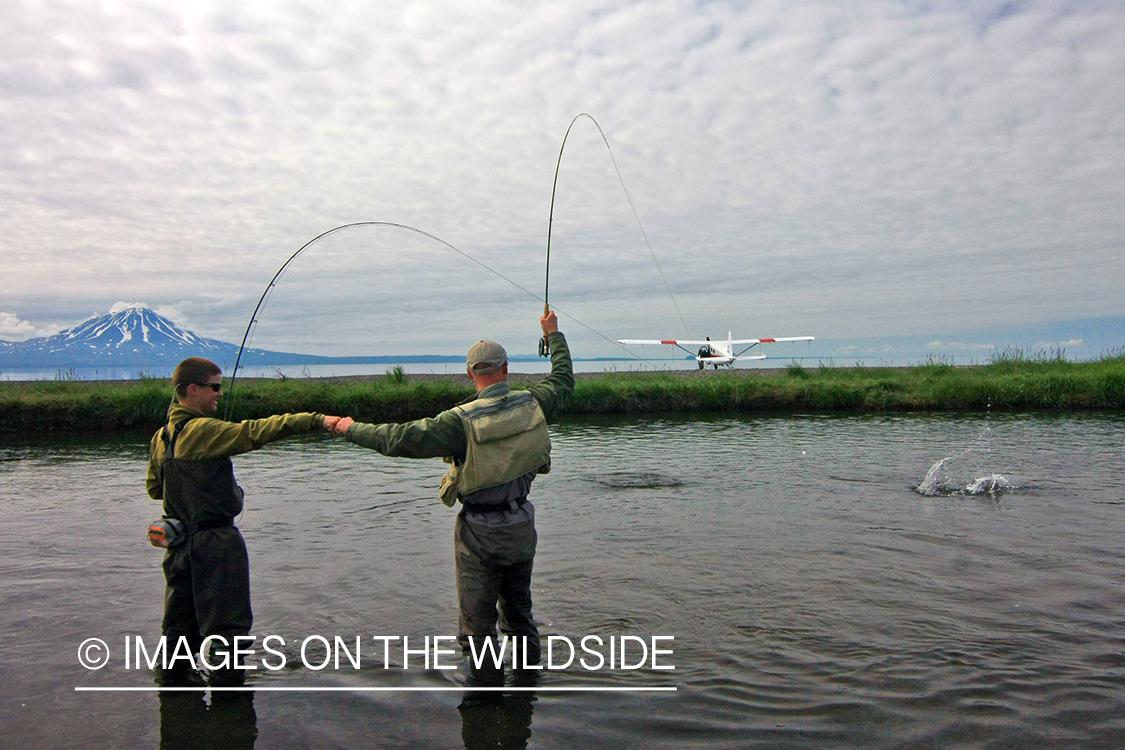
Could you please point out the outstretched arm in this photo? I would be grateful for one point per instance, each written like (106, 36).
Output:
(443, 435)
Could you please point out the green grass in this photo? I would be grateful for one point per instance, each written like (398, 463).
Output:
(1012, 381)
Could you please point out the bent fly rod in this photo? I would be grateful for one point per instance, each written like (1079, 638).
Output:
(256, 315)
(544, 349)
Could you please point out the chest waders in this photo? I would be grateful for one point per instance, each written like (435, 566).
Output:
(506, 446)
(208, 573)
(197, 492)
(506, 438)
(209, 480)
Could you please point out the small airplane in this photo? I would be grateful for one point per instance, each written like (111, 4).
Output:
(717, 353)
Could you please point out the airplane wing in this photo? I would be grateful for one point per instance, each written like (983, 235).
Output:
(681, 342)
(678, 342)
(774, 340)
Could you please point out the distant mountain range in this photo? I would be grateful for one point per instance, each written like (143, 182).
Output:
(139, 337)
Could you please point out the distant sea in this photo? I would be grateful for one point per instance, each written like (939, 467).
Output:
(327, 371)
(413, 368)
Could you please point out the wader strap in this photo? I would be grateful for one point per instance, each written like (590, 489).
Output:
(494, 507)
(217, 523)
(170, 445)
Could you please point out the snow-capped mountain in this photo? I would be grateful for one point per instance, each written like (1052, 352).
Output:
(136, 337)
(132, 330)
(140, 338)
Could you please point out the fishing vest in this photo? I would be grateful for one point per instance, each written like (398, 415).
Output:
(506, 437)
(197, 491)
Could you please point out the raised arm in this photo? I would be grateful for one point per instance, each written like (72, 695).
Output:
(554, 389)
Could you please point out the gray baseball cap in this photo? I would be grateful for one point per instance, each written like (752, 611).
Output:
(486, 356)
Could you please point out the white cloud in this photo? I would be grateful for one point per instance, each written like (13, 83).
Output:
(871, 168)
(960, 346)
(12, 328)
(121, 306)
(1070, 344)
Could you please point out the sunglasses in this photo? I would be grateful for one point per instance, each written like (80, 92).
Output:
(216, 387)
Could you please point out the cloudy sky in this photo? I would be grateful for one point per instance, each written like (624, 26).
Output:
(840, 169)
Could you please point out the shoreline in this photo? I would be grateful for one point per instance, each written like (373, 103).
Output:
(1011, 386)
(526, 378)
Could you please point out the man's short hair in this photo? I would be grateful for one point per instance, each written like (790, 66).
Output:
(485, 356)
(193, 370)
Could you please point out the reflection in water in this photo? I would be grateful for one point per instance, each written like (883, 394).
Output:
(187, 722)
(815, 599)
(498, 719)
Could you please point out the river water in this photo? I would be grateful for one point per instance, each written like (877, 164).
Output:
(806, 593)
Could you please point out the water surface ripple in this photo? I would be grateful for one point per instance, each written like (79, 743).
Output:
(816, 599)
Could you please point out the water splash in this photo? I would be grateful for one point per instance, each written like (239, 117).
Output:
(965, 474)
(944, 478)
(938, 480)
(990, 485)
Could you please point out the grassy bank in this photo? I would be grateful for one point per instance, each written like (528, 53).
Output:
(1010, 382)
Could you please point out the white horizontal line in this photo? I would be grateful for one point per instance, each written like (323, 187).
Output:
(645, 689)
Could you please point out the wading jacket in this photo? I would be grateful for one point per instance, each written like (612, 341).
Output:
(202, 487)
(447, 434)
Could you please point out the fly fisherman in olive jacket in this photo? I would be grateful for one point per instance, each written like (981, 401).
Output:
(496, 443)
(208, 574)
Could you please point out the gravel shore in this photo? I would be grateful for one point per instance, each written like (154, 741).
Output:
(524, 378)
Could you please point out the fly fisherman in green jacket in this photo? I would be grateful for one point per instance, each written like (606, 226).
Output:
(496, 443)
(208, 571)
